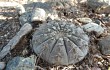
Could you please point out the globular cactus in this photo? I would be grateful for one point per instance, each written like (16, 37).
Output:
(60, 42)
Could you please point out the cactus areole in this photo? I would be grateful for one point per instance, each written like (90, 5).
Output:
(60, 42)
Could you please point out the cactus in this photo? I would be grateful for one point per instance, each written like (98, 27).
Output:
(60, 42)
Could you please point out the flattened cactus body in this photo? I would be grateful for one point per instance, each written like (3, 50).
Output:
(60, 43)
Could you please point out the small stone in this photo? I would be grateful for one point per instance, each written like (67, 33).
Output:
(25, 51)
(53, 15)
(63, 3)
(21, 63)
(105, 9)
(84, 20)
(94, 4)
(106, 21)
(108, 68)
(16, 5)
(25, 17)
(105, 45)
(97, 21)
(93, 27)
(95, 68)
(98, 56)
(38, 14)
(100, 64)
(2, 65)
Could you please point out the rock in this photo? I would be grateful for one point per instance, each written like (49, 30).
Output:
(82, 1)
(60, 42)
(105, 45)
(25, 29)
(2, 65)
(97, 21)
(25, 52)
(31, 6)
(108, 68)
(94, 4)
(74, 2)
(93, 27)
(49, 10)
(53, 15)
(105, 9)
(21, 63)
(95, 68)
(16, 5)
(106, 21)
(84, 20)
(58, 2)
(25, 18)
(38, 14)
(34, 12)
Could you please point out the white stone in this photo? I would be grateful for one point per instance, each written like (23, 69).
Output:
(93, 27)
(105, 9)
(38, 14)
(2, 65)
(84, 20)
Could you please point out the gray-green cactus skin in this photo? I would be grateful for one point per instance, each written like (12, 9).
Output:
(60, 42)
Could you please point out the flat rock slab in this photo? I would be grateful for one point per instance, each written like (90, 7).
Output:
(21, 63)
(105, 45)
(26, 28)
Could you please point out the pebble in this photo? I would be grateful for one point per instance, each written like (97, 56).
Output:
(21, 63)
(97, 21)
(2, 65)
(100, 64)
(38, 14)
(24, 18)
(105, 9)
(105, 45)
(94, 4)
(95, 68)
(93, 27)
(84, 20)
(106, 19)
